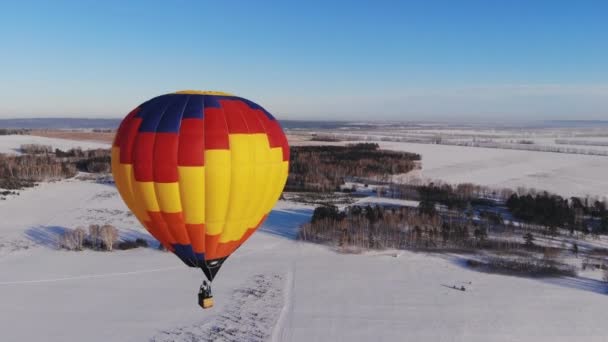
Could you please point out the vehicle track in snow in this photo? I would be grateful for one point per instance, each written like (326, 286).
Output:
(279, 332)
(88, 276)
(250, 315)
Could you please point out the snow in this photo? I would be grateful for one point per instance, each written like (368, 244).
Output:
(567, 174)
(561, 173)
(387, 202)
(273, 288)
(9, 144)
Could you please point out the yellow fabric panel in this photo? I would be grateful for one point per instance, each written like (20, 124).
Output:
(123, 177)
(168, 197)
(241, 185)
(192, 191)
(281, 180)
(140, 206)
(203, 92)
(217, 189)
(276, 155)
(145, 194)
(261, 180)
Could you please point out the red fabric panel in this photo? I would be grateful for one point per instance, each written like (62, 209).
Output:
(191, 150)
(165, 158)
(216, 131)
(127, 140)
(143, 152)
(121, 129)
(177, 227)
(197, 237)
(234, 116)
(251, 118)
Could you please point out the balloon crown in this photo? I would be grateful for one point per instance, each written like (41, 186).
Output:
(203, 92)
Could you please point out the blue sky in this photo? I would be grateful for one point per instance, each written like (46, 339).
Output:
(389, 60)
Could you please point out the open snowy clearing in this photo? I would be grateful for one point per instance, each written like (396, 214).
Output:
(10, 144)
(564, 174)
(560, 173)
(273, 288)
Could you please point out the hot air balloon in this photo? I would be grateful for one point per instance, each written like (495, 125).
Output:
(200, 170)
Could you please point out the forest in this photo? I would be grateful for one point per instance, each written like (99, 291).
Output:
(554, 211)
(377, 227)
(325, 168)
(39, 163)
(549, 210)
(14, 131)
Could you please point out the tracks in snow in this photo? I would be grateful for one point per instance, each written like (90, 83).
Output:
(279, 331)
(250, 315)
(88, 276)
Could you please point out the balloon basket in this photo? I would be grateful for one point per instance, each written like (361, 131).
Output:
(206, 303)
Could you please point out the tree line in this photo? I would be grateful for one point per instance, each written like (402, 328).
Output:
(526, 205)
(41, 164)
(14, 131)
(377, 227)
(325, 168)
(554, 211)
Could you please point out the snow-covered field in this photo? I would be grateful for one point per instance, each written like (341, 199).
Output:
(513, 163)
(273, 288)
(561, 173)
(278, 289)
(9, 144)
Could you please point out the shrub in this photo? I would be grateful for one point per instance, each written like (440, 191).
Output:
(73, 240)
(35, 149)
(15, 184)
(131, 244)
(94, 238)
(128, 244)
(141, 242)
(102, 237)
(109, 235)
(526, 266)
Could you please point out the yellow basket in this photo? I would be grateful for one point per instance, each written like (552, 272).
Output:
(207, 303)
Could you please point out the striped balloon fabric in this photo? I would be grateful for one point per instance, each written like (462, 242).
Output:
(201, 171)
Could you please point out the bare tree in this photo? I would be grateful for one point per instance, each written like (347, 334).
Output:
(108, 235)
(73, 239)
(95, 236)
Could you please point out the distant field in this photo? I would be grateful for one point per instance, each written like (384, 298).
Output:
(10, 144)
(564, 174)
(106, 137)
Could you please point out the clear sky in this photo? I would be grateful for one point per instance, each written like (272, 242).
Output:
(389, 60)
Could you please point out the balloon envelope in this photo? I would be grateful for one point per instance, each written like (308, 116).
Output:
(201, 171)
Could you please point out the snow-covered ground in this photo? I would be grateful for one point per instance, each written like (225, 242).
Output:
(10, 144)
(565, 174)
(273, 288)
(560, 173)
(277, 289)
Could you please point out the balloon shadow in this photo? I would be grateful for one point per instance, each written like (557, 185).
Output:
(286, 223)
